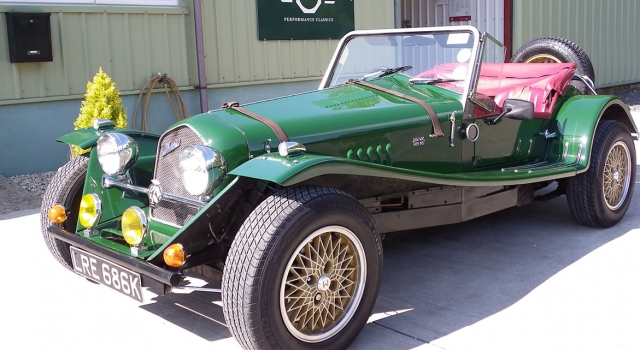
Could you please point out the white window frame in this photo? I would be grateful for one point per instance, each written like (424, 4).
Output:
(148, 3)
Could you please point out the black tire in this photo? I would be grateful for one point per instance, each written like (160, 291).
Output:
(259, 281)
(558, 50)
(600, 196)
(65, 188)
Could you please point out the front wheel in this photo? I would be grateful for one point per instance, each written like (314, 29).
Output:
(65, 188)
(303, 271)
(600, 196)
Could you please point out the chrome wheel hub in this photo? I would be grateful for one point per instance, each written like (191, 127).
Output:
(323, 284)
(616, 180)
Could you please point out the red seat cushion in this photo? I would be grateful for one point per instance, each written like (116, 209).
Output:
(546, 76)
(543, 82)
(541, 102)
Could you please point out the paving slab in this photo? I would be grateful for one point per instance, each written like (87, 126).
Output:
(523, 278)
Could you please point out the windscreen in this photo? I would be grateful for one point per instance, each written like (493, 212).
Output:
(430, 56)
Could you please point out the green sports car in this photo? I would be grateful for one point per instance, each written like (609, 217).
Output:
(290, 198)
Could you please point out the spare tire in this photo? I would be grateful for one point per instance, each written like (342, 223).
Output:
(557, 50)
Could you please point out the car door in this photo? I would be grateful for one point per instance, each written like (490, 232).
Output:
(504, 141)
(509, 142)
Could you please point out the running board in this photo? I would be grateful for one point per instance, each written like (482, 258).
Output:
(544, 165)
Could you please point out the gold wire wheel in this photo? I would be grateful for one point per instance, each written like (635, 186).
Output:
(322, 284)
(543, 58)
(616, 179)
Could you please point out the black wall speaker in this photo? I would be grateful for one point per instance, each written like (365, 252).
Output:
(29, 37)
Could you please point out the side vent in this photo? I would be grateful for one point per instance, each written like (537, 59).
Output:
(378, 155)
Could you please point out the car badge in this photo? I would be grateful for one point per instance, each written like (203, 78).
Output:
(418, 141)
(155, 193)
(267, 146)
(170, 147)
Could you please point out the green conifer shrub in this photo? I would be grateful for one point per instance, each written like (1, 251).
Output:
(102, 100)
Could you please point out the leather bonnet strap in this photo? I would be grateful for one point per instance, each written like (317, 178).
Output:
(282, 136)
(437, 130)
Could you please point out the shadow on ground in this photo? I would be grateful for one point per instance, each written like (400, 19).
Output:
(439, 280)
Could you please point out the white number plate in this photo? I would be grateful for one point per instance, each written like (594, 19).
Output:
(107, 273)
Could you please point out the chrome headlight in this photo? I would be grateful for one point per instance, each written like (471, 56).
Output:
(202, 169)
(116, 153)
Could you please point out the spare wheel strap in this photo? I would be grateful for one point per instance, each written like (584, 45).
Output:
(282, 137)
(437, 130)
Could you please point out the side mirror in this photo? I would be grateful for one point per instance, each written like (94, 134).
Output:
(514, 109)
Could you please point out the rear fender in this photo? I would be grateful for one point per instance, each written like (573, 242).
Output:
(576, 123)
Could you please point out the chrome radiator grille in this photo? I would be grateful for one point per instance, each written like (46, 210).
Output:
(167, 171)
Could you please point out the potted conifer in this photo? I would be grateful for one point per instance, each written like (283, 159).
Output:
(102, 101)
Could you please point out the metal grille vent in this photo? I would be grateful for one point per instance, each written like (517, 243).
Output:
(167, 171)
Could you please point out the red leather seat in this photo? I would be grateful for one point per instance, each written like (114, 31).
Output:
(540, 83)
(541, 100)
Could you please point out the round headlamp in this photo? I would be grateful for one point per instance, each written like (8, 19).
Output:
(116, 153)
(134, 225)
(202, 169)
(90, 210)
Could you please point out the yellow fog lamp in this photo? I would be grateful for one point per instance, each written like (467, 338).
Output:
(174, 255)
(57, 214)
(134, 225)
(90, 210)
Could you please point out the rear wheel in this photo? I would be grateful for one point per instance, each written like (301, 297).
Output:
(303, 271)
(65, 188)
(557, 50)
(600, 196)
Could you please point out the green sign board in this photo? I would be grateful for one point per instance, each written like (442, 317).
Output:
(304, 19)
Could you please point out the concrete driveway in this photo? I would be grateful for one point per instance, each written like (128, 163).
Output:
(524, 278)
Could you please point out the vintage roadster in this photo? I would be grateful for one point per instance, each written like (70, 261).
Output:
(291, 198)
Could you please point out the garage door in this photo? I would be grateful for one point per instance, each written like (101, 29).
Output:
(486, 15)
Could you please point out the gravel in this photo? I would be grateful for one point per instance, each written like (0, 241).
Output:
(13, 197)
(34, 183)
(632, 98)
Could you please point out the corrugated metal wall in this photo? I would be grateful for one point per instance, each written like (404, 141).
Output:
(129, 44)
(608, 31)
(486, 15)
(132, 44)
(235, 55)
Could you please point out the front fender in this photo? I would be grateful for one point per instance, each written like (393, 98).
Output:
(577, 120)
(114, 202)
(86, 138)
(290, 171)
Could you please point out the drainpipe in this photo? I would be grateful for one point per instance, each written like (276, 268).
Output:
(202, 73)
(397, 13)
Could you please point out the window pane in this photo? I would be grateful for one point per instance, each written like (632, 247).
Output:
(138, 2)
(148, 3)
